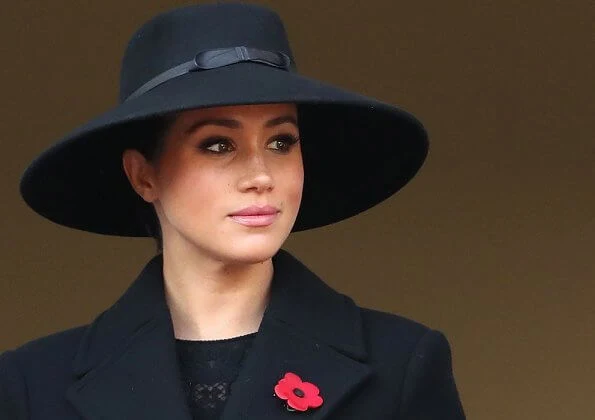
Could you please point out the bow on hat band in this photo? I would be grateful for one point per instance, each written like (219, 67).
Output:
(211, 59)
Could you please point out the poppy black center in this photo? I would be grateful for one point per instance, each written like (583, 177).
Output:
(298, 392)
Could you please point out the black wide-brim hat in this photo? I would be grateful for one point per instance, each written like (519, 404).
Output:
(356, 151)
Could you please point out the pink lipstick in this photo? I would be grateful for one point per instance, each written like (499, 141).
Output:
(255, 216)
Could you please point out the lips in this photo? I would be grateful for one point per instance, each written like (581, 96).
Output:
(256, 216)
(256, 211)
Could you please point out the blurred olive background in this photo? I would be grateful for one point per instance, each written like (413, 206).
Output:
(491, 243)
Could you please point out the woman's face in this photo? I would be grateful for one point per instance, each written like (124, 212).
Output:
(216, 162)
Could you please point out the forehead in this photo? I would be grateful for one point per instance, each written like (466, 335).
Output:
(262, 112)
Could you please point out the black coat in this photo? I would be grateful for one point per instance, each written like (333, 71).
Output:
(367, 364)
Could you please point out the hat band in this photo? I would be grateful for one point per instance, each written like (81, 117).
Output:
(211, 59)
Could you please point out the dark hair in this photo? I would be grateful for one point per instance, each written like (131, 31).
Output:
(149, 141)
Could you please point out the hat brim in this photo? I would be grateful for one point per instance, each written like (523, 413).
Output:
(356, 151)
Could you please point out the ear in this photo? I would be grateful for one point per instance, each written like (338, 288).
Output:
(140, 173)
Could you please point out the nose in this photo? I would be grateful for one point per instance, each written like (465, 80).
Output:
(256, 175)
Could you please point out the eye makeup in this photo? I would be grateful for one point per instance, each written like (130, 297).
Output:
(288, 140)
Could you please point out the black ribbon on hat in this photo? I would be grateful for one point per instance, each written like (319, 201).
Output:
(211, 59)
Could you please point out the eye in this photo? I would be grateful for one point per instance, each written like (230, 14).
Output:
(283, 143)
(216, 145)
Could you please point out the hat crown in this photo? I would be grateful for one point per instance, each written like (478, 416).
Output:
(175, 37)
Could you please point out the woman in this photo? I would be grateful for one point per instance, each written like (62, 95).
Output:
(219, 150)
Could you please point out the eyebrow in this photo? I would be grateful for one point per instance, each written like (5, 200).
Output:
(231, 123)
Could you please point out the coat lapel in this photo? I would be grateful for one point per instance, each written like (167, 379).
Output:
(127, 363)
(308, 329)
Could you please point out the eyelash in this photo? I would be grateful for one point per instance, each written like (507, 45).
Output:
(288, 139)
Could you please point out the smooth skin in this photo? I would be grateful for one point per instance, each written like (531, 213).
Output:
(216, 161)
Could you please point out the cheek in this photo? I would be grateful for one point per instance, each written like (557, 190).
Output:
(188, 189)
(293, 179)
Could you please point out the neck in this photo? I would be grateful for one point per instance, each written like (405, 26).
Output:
(210, 299)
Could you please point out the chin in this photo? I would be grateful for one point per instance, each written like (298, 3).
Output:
(253, 251)
(254, 255)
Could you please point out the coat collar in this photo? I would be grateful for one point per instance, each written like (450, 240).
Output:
(126, 366)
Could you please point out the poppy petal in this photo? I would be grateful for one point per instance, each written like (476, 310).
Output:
(283, 384)
(292, 378)
(300, 404)
(281, 391)
(315, 401)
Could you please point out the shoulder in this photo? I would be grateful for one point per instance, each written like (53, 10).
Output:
(50, 355)
(376, 321)
(421, 360)
(390, 336)
(403, 346)
(55, 345)
(402, 342)
(416, 343)
(45, 362)
(396, 342)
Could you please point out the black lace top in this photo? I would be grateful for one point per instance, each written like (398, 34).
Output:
(208, 368)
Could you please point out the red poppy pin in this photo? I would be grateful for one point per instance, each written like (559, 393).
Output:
(299, 395)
